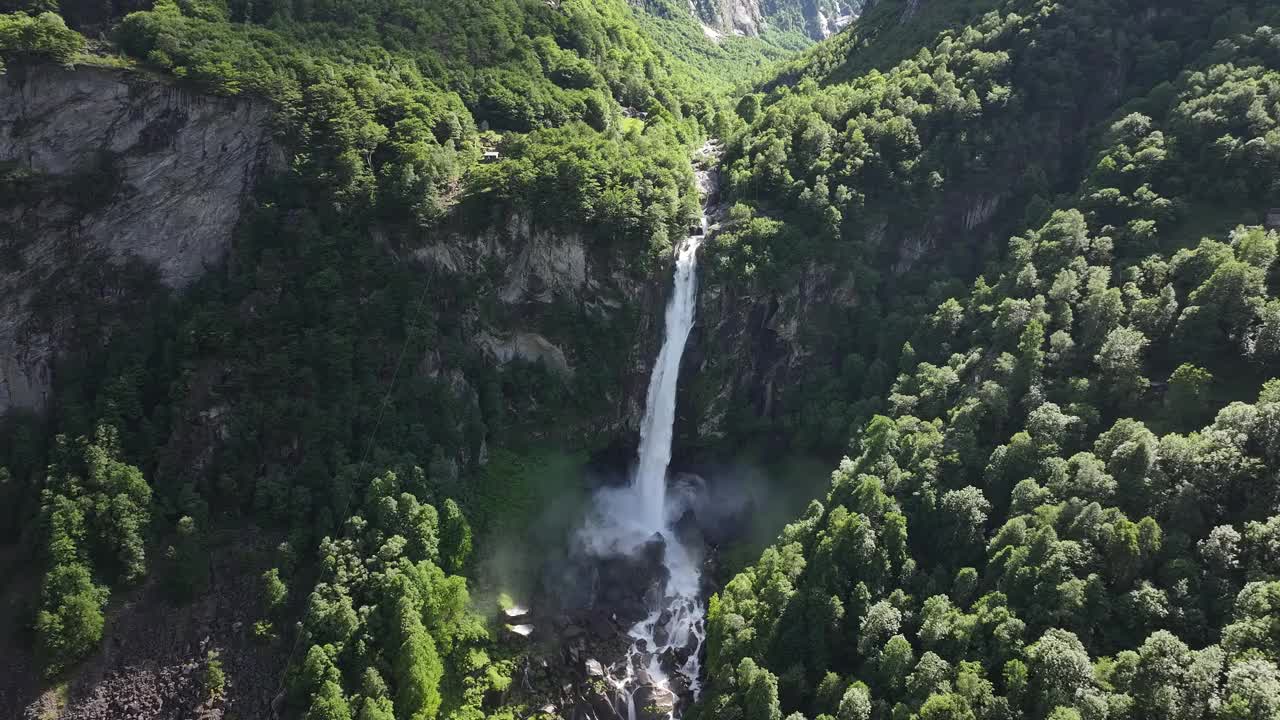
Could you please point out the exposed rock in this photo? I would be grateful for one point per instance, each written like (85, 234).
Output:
(151, 662)
(127, 167)
(736, 17)
(820, 18)
(654, 702)
(753, 346)
(536, 270)
(530, 347)
(536, 263)
(750, 344)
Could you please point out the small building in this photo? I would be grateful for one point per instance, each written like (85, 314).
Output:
(1273, 219)
(490, 156)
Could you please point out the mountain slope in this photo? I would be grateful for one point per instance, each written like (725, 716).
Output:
(1068, 509)
(886, 191)
(380, 299)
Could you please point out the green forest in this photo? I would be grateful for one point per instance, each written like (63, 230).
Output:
(1050, 393)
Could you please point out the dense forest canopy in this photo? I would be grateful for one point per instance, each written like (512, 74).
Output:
(1056, 371)
(1037, 525)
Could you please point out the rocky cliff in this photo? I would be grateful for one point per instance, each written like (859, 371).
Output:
(816, 18)
(758, 348)
(538, 274)
(115, 180)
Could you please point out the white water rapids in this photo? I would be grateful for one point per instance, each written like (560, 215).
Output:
(663, 662)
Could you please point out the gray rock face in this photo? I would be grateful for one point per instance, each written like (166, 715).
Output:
(537, 264)
(530, 347)
(736, 17)
(752, 344)
(126, 168)
(535, 269)
(818, 19)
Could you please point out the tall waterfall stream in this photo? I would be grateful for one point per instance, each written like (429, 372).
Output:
(662, 668)
(675, 627)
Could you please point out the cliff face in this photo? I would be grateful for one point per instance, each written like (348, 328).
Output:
(755, 345)
(816, 18)
(116, 179)
(117, 188)
(535, 274)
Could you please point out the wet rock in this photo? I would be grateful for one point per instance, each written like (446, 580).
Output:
(654, 550)
(593, 668)
(687, 529)
(680, 686)
(661, 633)
(601, 626)
(683, 654)
(596, 704)
(654, 702)
(668, 661)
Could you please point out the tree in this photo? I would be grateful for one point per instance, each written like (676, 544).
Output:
(43, 34)
(829, 693)
(896, 662)
(757, 692)
(856, 704)
(1266, 341)
(1058, 669)
(274, 591)
(931, 676)
(376, 708)
(964, 517)
(121, 503)
(188, 560)
(880, 623)
(328, 703)
(1252, 691)
(1120, 361)
(417, 667)
(947, 706)
(214, 680)
(1030, 355)
(455, 538)
(70, 623)
(1188, 394)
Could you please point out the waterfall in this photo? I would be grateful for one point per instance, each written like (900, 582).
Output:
(661, 669)
(664, 664)
(650, 479)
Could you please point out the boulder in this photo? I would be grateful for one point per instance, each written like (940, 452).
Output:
(654, 702)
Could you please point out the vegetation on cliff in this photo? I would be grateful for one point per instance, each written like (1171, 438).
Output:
(972, 138)
(1067, 508)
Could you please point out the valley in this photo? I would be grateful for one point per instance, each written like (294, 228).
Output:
(416, 359)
